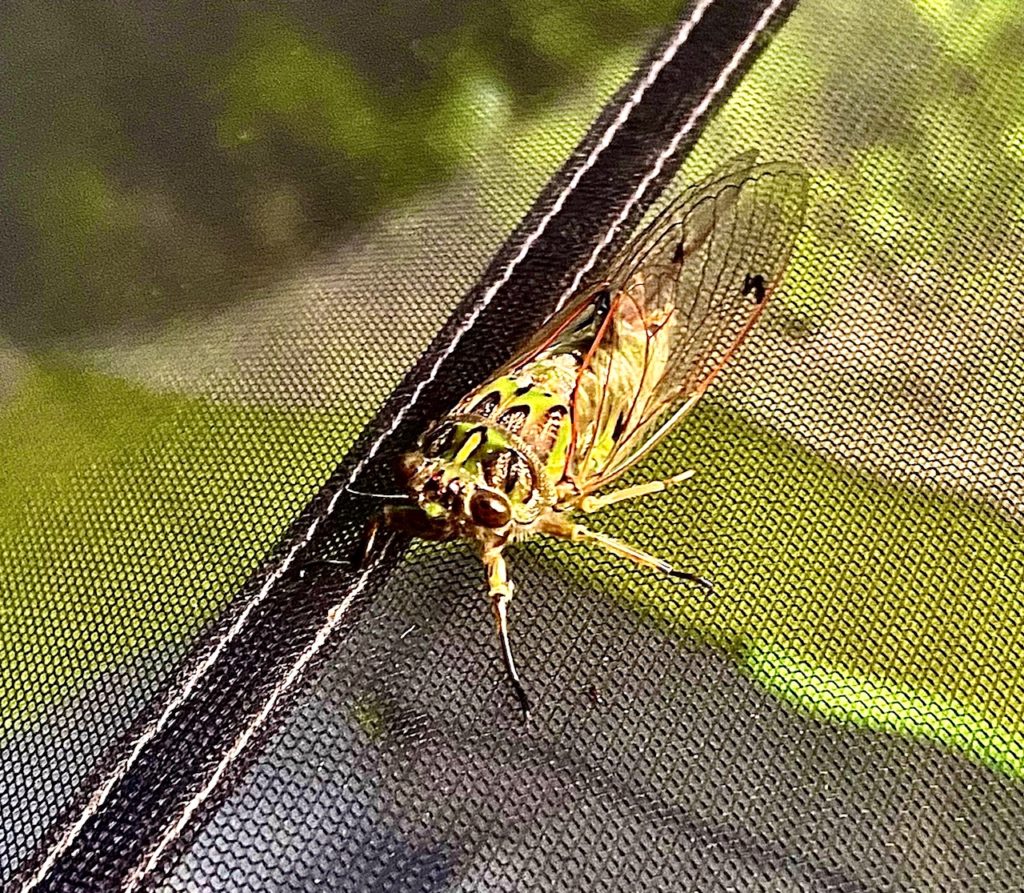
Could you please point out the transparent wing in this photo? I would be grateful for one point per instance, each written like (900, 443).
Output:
(685, 292)
(571, 330)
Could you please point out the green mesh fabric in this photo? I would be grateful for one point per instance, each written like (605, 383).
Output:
(845, 715)
(148, 470)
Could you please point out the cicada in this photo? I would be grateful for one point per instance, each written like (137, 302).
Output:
(604, 381)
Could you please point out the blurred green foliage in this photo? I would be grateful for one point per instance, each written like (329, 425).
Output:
(162, 156)
(814, 602)
(114, 499)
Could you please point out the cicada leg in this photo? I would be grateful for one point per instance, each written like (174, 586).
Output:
(501, 595)
(563, 528)
(407, 519)
(590, 504)
(370, 534)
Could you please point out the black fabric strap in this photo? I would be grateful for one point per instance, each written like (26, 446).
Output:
(169, 772)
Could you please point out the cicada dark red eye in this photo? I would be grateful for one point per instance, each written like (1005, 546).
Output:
(490, 510)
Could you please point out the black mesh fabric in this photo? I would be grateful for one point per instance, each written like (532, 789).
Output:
(179, 460)
(844, 715)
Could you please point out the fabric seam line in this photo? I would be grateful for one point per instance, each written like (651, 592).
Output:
(334, 617)
(185, 692)
(670, 149)
(153, 858)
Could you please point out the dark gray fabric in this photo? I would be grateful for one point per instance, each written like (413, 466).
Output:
(654, 763)
(844, 715)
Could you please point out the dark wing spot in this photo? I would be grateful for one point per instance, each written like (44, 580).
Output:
(677, 255)
(620, 424)
(591, 320)
(486, 405)
(756, 285)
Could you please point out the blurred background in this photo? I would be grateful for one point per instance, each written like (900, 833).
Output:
(228, 231)
(160, 156)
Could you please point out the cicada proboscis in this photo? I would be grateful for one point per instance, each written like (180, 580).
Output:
(604, 381)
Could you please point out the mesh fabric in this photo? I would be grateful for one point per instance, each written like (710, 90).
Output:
(844, 715)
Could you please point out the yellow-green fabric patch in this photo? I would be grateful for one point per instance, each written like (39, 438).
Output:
(129, 518)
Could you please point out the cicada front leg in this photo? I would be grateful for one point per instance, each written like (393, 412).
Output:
(407, 519)
(501, 594)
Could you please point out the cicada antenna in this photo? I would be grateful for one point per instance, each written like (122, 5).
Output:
(397, 497)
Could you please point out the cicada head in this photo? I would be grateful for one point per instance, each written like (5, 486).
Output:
(473, 479)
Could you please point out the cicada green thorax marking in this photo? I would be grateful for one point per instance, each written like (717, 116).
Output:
(497, 458)
(494, 466)
(531, 404)
(472, 454)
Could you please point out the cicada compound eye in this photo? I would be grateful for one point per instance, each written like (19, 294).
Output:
(490, 510)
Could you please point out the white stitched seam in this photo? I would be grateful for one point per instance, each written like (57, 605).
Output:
(153, 857)
(334, 617)
(101, 794)
(669, 150)
(680, 38)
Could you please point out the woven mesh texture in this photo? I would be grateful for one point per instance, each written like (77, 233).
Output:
(147, 475)
(845, 715)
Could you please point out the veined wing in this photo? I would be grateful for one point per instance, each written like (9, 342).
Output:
(570, 331)
(684, 294)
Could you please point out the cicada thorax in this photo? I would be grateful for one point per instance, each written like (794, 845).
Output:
(493, 464)
(532, 406)
(469, 452)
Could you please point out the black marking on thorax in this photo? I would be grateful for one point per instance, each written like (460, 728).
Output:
(486, 405)
(514, 418)
(506, 468)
